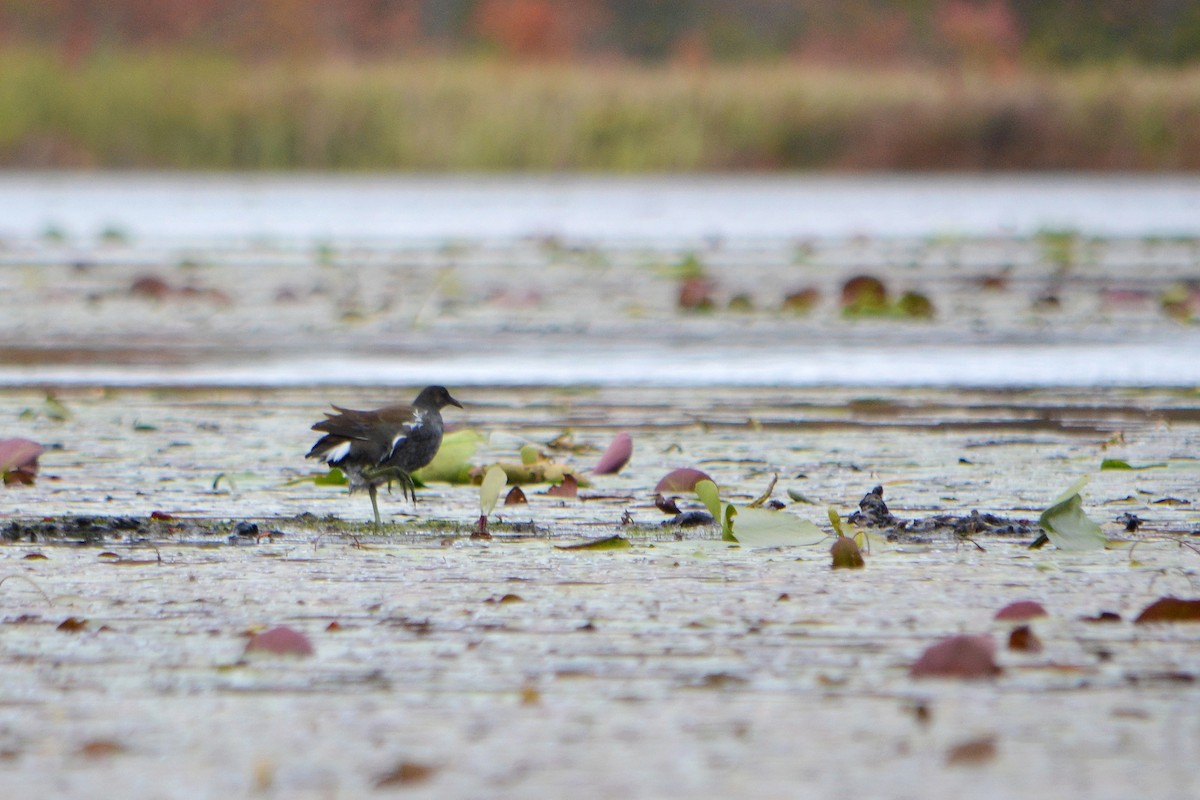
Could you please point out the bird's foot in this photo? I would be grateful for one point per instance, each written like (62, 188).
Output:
(408, 487)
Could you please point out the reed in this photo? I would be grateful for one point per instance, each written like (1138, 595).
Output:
(190, 111)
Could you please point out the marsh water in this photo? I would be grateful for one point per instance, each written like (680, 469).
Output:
(170, 340)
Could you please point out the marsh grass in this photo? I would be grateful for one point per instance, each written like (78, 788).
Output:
(125, 110)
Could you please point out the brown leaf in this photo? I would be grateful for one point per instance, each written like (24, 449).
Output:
(1024, 639)
(150, 286)
(506, 598)
(846, 554)
(967, 657)
(405, 773)
(1103, 616)
(515, 497)
(616, 456)
(72, 625)
(666, 505)
(101, 748)
(36, 557)
(1021, 610)
(972, 751)
(1170, 609)
(281, 641)
(568, 488)
(681, 480)
(161, 515)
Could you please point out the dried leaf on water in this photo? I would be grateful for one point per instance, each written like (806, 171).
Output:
(515, 497)
(19, 460)
(616, 456)
(972, 751)
(667, 505)
(1023, 639)
(1021, 610)
(962, 656)
(406, 773)
(281, 641)
(1170, 609)
(846, 554)
(568, 488)
(72, 625)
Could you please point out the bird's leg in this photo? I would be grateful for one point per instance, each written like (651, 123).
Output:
(407, 485)
(375, 506)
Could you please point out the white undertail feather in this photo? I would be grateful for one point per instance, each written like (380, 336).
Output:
(336, 454)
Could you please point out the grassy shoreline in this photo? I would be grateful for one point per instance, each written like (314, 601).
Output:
(187, 111)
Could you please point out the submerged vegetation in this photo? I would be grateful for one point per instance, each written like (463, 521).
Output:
(124, 109)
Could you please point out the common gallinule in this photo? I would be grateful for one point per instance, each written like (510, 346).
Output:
(384, 445)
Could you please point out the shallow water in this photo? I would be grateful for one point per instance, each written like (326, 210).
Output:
(664, 209)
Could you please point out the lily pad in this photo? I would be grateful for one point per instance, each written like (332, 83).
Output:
(489, 491)
(1068, 528)
(452, 464)
(681, 480)
(616, 456)
(606, 543)
(761, 527)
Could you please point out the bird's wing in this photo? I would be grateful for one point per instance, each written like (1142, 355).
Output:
(365, 425)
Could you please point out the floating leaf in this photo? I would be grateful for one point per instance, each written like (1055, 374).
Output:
(681, 480)
(19, 460)
(1170, 609)
(335, 477)
(568, 488)
(515, 497)
(1116, 463)
(406, 773)
(1069, 528)
(616, 456)
(72, 625)
(760, 527)
(1024, 639)
(846, 554)
(1021, 610)
(607, 543)
(530, 454)
(280, 641)
(967, 657)
(706, 490)
(452, 462)
(489, 491)
(973, 751)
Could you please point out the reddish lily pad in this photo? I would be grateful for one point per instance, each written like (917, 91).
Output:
(568, 488)
(616, 456)
(1024, 639)
(1021, 610)
(19, 460)
(1170, 609)
(280, 641)
(681, 480)
(966, 657)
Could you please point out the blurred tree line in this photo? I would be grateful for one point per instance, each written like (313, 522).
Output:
(993, 34)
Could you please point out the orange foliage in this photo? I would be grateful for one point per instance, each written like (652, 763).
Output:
(538, 29)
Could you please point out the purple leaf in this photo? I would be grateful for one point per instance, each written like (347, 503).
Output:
(616, 456)
(681, 480)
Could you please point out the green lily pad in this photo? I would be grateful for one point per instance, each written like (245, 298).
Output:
(489, 491)
(607, 543)
(1067, 527)
(452, 464)
(762, 527)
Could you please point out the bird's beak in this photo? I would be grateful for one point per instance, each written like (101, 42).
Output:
(452, 401)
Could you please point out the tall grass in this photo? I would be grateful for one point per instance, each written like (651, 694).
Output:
(127, 110)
